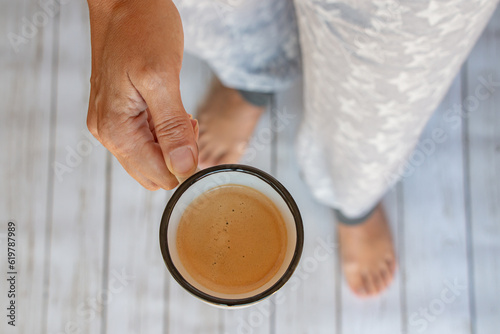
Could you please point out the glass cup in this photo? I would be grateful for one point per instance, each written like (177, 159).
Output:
(196, 186)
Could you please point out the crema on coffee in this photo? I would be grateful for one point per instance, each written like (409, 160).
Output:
(236, 243)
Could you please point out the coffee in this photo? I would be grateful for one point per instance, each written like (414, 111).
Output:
(236, 243)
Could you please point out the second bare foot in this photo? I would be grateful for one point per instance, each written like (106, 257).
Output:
(367, 252)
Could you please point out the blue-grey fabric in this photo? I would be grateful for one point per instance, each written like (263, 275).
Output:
(251, 44)
(374, 71)
(256, 98)
(343, 219)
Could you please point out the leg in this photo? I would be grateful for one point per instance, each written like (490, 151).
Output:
(374, 72)
(252, 46)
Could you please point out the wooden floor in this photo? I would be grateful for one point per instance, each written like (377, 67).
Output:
(88, 257)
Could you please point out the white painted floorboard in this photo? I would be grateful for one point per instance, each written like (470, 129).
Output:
(78, 233)
(25, 176)
(482, 149)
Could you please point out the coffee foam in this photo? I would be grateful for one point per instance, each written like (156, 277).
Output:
(197, 191)
(234, 245)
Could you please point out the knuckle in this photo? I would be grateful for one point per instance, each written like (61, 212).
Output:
(92, 126)
(117, 137)
(103, 131)
(174, 129)
(153, 77)
(109, 140)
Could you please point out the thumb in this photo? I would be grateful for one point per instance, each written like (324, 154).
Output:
(174, 131)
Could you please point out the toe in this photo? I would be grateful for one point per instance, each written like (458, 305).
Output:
(378, 284)
(385, 276)
(218, 159)
(228, 158)
(203, 142)
(369, 284)
(206, 159)
(211, 154)
(391, 265)
(355, 282)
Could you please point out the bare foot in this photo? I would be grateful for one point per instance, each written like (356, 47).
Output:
(367, 251)
(227, 122)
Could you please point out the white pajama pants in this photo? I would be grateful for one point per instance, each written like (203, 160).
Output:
(374, 71)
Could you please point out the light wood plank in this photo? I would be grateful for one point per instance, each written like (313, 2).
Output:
(381, 314)
(187, 314)
(434, 219)
(435, 234)
(25, 109)
(308, 301)
(151, 303)
(484, 177)
(138, 304)
(258, 154)
(195, 81)
(75, 292)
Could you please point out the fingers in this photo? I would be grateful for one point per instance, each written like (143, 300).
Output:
(133, 140)
(144, 181)
(175, 132)
(132, 143)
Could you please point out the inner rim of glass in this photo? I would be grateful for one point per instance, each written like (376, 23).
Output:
(213, 180)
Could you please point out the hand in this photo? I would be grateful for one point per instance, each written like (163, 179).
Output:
(135, 107)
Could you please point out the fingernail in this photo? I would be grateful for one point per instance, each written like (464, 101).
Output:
(182, 160)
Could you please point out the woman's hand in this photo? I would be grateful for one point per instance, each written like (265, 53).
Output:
(135, 107)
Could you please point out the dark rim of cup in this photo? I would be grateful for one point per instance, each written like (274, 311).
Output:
(278, 187)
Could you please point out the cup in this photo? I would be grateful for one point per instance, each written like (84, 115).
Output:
(197, 185)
